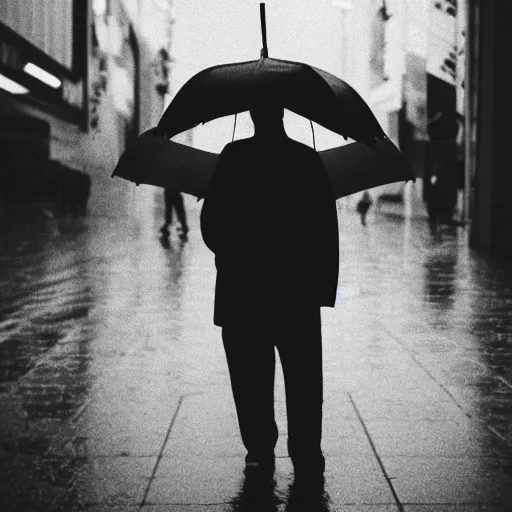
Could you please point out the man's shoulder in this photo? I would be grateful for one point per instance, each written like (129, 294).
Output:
(302, 148)
(239, 144)
(233, 149)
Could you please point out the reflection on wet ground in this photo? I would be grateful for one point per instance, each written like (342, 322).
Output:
(114, 393)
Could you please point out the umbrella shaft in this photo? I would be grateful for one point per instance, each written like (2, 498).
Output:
(264, 50)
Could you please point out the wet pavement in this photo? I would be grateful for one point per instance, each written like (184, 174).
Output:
(114, 392)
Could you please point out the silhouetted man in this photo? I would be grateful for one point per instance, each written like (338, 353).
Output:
(270, 218)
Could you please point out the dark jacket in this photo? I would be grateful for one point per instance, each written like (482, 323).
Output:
(270, 218)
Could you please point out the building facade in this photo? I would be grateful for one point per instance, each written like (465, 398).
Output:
(490, 109)
(436, 80)
(414, 69)
(79, 80)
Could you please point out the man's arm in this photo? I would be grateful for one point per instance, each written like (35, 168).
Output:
(323, 209)
(214, 213)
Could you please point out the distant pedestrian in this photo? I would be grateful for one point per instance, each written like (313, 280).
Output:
(174, 201)
(270, 218)
(442, 193)
(363, 205)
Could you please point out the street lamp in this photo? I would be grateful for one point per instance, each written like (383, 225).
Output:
(11, 86)
(345, 5)
(42, 75)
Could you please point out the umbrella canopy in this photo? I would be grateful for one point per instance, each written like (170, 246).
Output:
(232, 88)
(154, 160)
(354, 167)
(308, 91)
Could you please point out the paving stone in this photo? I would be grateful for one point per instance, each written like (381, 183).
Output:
(449, 480)
(104, 331)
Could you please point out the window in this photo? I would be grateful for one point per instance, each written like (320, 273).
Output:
(47, 24)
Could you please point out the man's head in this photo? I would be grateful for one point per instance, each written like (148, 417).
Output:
(266, 115)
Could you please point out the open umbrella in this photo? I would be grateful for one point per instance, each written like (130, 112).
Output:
(233, 88)
(306, 90)
(155, 160)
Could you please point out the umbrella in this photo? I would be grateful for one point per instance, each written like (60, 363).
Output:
(306, 90)
(155, 160)
(232, 88)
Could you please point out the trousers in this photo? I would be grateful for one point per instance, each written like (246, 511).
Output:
(250, 352)
(175, 200)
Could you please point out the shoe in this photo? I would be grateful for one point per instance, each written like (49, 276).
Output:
(308, 495)
(309, 481)
(309, 471)
(183, 233)
(259, 468)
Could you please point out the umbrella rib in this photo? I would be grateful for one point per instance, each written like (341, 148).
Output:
(234, 128)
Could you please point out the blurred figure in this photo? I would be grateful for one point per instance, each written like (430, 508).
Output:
(442, 195)
(174, 200)
(270, 218)
(363, 205)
